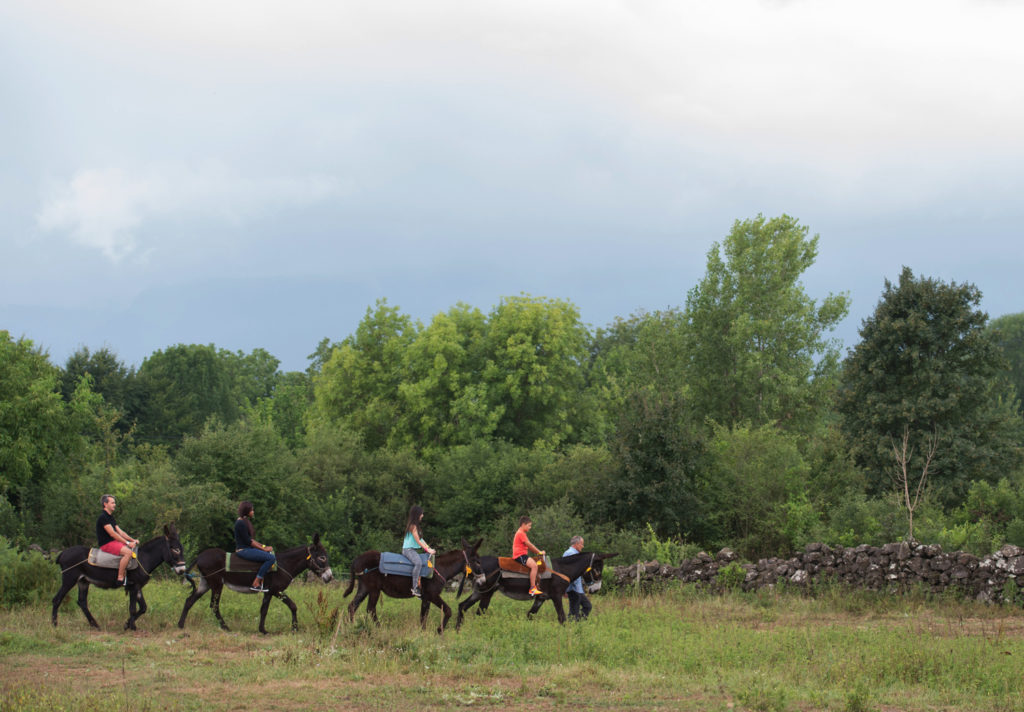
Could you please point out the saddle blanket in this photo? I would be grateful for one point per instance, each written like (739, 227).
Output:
(236, 564)
(397, 565)
(508, 565)
(104, 560)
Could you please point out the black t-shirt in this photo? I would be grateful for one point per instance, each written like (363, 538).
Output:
(101, 532)
(243, 539)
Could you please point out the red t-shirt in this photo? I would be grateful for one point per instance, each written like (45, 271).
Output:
(519, 546)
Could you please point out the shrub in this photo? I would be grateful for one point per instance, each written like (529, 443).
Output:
(666, 551)
(25, 576)
(730, 577)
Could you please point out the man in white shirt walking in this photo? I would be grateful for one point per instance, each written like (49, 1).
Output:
(579, 604)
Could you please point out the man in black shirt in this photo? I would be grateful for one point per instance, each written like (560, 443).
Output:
(112, 538)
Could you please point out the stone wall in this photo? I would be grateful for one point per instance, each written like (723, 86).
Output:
(891, 568)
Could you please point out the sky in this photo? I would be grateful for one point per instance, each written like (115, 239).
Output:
(257, 174)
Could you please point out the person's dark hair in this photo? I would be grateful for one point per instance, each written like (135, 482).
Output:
(413, 520)
(244, 510)
(104, 498)
(524, 520)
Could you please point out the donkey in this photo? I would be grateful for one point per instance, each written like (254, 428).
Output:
(372, 583)
(290, 563)
(75, 568)
(564, 569)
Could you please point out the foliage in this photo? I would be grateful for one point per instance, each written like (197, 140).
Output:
(25, 576)
(1008, 333)
(34, 429)
(755, 349)
(927, 364)
(109, 378)
(247, 461)
(759, 480)
(666, 551)
(662, 454)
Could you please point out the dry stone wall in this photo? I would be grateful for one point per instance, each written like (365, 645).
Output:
(892, 568)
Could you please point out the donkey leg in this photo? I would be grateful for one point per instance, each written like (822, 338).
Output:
(425, 602)
(447, 611)
(360, 595)
(371, 605)
(136, 596)
(83, 602)
(537, 603)
(556, 601)
(291, 606)
(465, 606)
(215, 605)
(132, 609)
(190, 601)
(263, 611)
(65, 586)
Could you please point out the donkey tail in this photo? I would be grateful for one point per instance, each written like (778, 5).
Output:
(351, 585)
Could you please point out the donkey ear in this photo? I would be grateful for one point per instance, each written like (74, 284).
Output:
(167, 531)
(606, 556)
(316, 539)
(478, 543)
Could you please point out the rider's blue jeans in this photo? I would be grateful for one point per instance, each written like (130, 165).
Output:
(254, 554)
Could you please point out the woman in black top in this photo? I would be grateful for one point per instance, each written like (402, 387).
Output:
(248, 548)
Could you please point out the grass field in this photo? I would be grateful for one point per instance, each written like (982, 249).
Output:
(677, 649)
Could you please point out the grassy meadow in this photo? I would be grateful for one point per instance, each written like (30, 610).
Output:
(673, 649)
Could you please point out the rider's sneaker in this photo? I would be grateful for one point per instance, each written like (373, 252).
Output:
(416, 592)
(536, 591)
(257, 589)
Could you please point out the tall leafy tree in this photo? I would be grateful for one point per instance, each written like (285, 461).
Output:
(358, 384)
(757, 350)
(110, 377)
(1008, 331)
(34, 426)
(926, 365)
(444, 399)
(536, 348)
(185, 385)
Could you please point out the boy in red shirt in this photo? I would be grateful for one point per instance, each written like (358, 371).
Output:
(521, 548)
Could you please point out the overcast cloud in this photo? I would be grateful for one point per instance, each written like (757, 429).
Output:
(256, 174)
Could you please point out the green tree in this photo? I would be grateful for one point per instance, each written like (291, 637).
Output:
(760, 484)
(927, 365)
(443, 399)
(660, 449)
(1008, 331)
(536, 348)
(633, 355)
(35, 431)
(358, 384)
(756, 350)
(110, 377)
(251, 461)
(287, 407)
(182, 387)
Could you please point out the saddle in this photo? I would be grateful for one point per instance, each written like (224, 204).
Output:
(514, 569)
(103, 560)
(236, 564)
(392, 564)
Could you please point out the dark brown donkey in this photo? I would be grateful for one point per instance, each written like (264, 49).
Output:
(564, 569)
(372, 583)
(75, 568)
(290, 563)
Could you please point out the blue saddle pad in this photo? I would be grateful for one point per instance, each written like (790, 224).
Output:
(398, 565)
